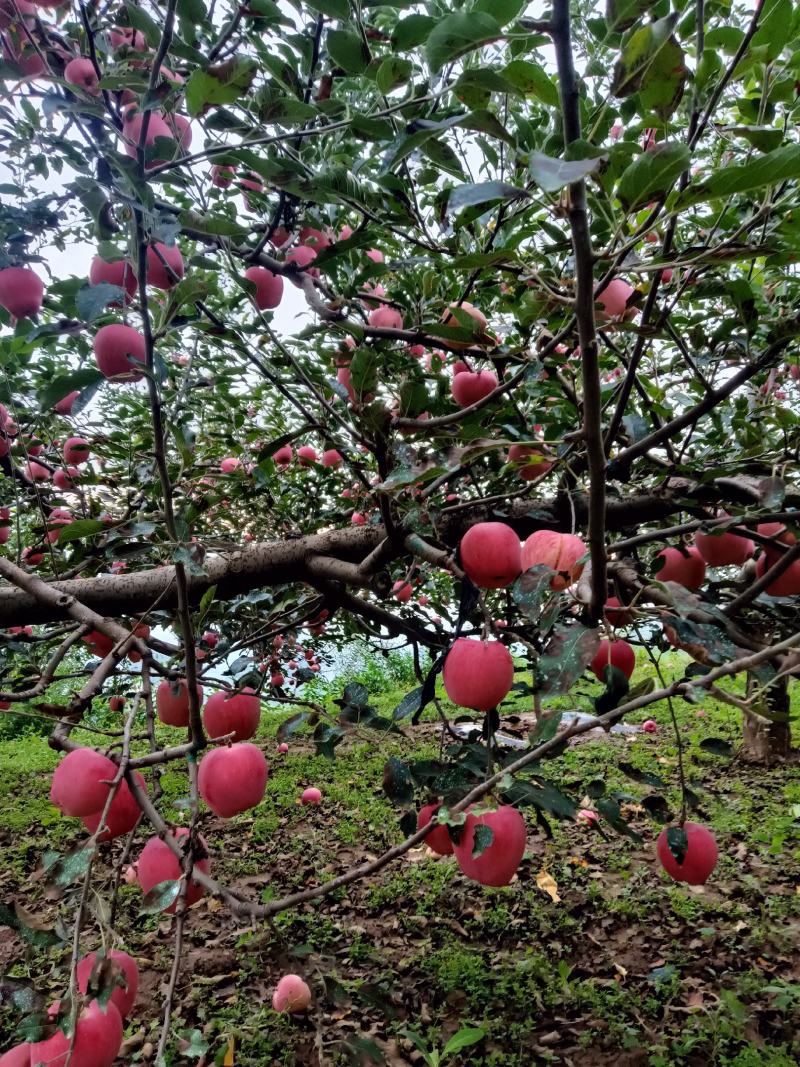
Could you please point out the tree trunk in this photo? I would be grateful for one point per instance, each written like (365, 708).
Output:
(768, 740)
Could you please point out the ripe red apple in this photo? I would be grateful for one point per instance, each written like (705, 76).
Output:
(778, 532)
(159, 257)
(291, 994)
(724, 549)
(686, 567)
(303, 255)
(172, 701)
(237, 714)
(120, 964)
(80, 72)
(357, 519)
(99, 643)
(118, 272)
(20, 1055)
(20, 53)
(283, 457)
(306, 455)
(80, 782)
(618, 654)
(402, 591)
(498, 863)
(450, 319)
(617, 613)
(157, 128)
(650, 726)
(21, 292)
(385, 318)
(64, 405)
(269, 287)
(76, 450)
(222, 175)
(478, 674)
(12, 11)
(311, 796)
(127, 36)
(32, 556)
(700, 859)
(65, 479)
(98, 1036)
(471, 386)
(158, 864)
(116, 703)
(786, 584)
(283, 748)
(331, 458)
(438, 840)
(36, 472)
(491, 555)
(527, 473)
(614, 300)
(117, 349)
(375, 255)
(230, 464)
(232, 779)
(276, 679)
(558, 551)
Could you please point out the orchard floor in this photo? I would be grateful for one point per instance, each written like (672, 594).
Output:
(604, 962)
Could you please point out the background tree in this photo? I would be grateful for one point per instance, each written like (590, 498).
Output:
(364, 278)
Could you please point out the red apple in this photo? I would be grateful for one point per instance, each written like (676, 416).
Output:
(36, 472)
(402, 591)
(684, 566)
(498, 863)
(80, 782)
(786, 584)
(118, 272)
(529, 471)
(158, 864)
(269, 287)
(618, 654)
(222, 175)
(650, 726)
(230, 464)
(306, 455)
(237, 714)
(385, 318)
(614, 300)
(116, 703)
(76, 450)
(291, 994)
(283, 748)
(126, 36)
(700, 859)
(450, 319)
(157, 128)
(331, 458)
(98, 1036)
(471, 386)
(118, 963)
(357, 519)
(65, 479)
(438, 840)
(723, 549)
(478, 674)
(311, 796)
(232, 779)
(80, 72)
(64, 405)
(283, 457)
(491, 555)
(303, 255)
(20, 1055)
(21, 292)
(159, 258)
(172, 701)
(778, 532)
(558, 551)
(117, 349)
(617, 613)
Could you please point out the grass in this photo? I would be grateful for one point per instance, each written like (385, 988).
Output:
(625, 962)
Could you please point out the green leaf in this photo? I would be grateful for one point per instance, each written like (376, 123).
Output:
(657, 808)
(652, 63)
(773, 24)
(483, 193)
(532, 590)
(408, 705)
(64, 870)
(411, 32)
(222, 83)
(652, 174)
(337, 9)
(764, 138)
(546, 729)
(621, 14)
(205, 602)
(781, 165)
(356, 694)
(92, 300)
(610, 810)
(160, 897)
(643, 777)
(76, 531)
(463, 1039)
(532, 80)
(544, 796)
(457, 34)
(398, 783)
(392, 73)
(291, 725)
(678, 843)
(140, 20)
(347, 50)
(482, 838)
(64, 384)
(553, 174)
(565, 657)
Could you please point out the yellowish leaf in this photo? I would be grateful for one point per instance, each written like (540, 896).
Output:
(547, 883)
(228, 1060)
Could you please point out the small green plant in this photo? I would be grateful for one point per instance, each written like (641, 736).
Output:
(463, 1038)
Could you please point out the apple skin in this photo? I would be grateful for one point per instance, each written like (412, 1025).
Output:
(283, 748)
(64, 405)
(614, 300)
(283, 457)
(618, 653)
(222, 175)
(478, 674)
(79, 782)
(238, 714)
(449, 319)
(12, 11)
(402, 591)
(157, 274)
(291, 994)
(688, 570)
(558, 551)
(786, 584)
(616, 612)
(65, 479)
(385, 318)
(650, 726)
(306, 455)
(36, 472)
(700, 859)
(303, 256)
(112, 347)
(124, 997)
(122, 815)
(158, 864)
(76, 450)
(491, 555)
(97, 1041)
(438, 840)
(21, 292)
(529, 471)
(116, 703)
(157, 127)
(19, 1056)
(312, 795)
(724, 550)
(118, 272)
(778, 532)
(471, 386)
(232, 779)
(127, 36)
(498, 863)
(269, 287)
(331, 458)
(80, 72)
(172, 701)
(230, 464)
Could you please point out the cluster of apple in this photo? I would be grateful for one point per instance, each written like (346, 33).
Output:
(286, 653)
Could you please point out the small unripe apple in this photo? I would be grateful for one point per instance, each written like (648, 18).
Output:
(684, 566)
(491, 555)
(238, 714)
(478, 674)
(232, 779)
(269, 287)
(21, 292)
(291, 994)
(80, 72)
(311, 796)
(81, 781)
(700, 859)
(157, 864)
(558, 551)
(159, 258)
(438, 840)
(498, 863)
(385, 318)
(117, 349)
(124, 996)
(471, 386)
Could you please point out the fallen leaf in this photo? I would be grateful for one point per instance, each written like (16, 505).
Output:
(228, 1060)
(547, 883)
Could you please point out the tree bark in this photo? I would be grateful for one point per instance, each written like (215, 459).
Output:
(768, 741)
